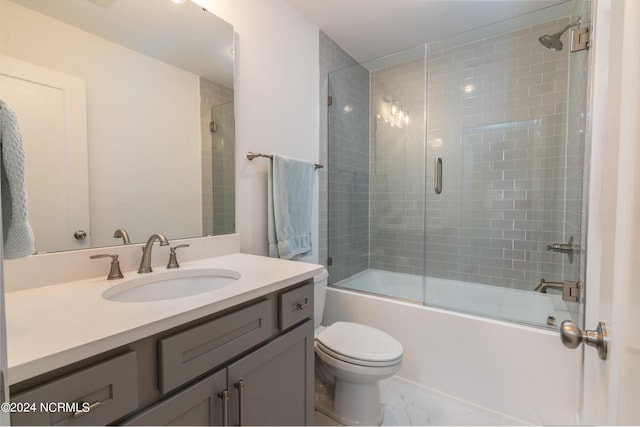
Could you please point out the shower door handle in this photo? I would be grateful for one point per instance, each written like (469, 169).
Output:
(437, 175)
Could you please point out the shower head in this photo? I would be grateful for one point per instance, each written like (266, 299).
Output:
(553, 41)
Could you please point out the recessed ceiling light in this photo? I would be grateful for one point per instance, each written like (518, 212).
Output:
(177, 1)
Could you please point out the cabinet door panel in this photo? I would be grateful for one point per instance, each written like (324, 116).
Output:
(278, 381)
(197, 405)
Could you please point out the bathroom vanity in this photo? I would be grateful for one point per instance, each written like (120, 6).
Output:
(241, 355)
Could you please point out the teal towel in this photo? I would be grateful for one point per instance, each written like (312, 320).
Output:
(289, 206)
(17, 233)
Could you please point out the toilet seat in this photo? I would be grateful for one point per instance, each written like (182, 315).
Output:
(359, 344)
(363, 363)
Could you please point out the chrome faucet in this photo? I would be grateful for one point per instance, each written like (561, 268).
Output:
(145, 263)
(544, 285)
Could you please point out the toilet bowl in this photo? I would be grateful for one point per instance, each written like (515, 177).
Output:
(350, 360)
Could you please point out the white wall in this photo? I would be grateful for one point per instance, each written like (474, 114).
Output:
(127, 140)
(276, 98)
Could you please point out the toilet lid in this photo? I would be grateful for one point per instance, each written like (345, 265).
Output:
(360, 342)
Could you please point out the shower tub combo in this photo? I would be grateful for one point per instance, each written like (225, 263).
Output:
(460, 163)
(518, 370)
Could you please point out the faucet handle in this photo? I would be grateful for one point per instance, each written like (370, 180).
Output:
(173, 260)
(115, 272)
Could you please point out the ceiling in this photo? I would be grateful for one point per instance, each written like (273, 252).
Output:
(369, 29)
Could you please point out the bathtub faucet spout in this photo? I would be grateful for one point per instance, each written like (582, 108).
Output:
(544, 285)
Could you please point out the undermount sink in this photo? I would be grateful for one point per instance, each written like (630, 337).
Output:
(171, 285)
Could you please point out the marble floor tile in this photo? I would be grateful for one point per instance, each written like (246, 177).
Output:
(408, 404)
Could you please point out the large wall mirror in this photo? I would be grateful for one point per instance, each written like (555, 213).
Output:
(126, 110)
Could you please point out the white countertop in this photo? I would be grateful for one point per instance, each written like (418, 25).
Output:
(53, 326)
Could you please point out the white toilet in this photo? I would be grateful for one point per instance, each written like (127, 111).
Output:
(351, 359)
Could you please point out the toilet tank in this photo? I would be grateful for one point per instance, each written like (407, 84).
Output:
(319, 296)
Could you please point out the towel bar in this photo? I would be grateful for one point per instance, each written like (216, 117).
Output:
(252, 155)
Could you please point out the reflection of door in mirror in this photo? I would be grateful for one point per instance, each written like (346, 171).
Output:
(51, 108)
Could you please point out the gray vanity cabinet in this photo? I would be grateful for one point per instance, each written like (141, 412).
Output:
(269, 386)
(251, 364)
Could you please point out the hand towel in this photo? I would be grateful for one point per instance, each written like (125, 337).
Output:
(289, 201)
(17, 233)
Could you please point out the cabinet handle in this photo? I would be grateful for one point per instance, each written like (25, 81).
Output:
(92, 406)
(302, 305)
(240, 386)
(225, 407)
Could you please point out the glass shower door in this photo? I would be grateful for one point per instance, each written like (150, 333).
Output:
(512, 166)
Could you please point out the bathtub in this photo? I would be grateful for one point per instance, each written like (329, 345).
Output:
(510, 368)
(545, 310)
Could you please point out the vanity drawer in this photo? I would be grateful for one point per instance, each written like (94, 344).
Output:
(111, 387)
(189, 354)
(295, 305)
